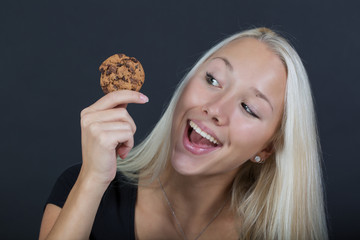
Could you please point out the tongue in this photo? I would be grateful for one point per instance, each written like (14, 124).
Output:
(199, 140)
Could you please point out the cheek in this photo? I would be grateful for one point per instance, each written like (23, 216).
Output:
(184, 104)
(193, 96)
(250, 137)
(176, 121)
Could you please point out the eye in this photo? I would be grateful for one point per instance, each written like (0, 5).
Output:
(248, 110)
(211, 80)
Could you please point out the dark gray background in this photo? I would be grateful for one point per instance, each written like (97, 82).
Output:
(49, 57)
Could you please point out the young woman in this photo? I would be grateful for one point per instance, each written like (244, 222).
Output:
(235, 156)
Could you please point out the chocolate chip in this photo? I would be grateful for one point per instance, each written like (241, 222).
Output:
(121, 55)
(105, 90)
(111, 69)
(134, 81)
(134, 59)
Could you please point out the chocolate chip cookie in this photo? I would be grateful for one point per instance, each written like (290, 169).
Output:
(120, 72)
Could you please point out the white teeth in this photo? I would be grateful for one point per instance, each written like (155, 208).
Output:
(202, 133)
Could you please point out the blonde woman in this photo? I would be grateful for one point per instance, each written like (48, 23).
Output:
(235, 156)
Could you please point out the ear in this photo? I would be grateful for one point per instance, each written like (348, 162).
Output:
(264, 154)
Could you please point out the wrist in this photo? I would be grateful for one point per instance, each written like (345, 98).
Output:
(92, 183)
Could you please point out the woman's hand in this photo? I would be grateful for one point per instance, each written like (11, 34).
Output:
(107, 129)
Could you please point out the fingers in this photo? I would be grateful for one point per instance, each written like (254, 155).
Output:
(98, 128)
(121, 140)
(116, 98)
(109, 115)
(106, 129)
(112, 140)
(113, 135)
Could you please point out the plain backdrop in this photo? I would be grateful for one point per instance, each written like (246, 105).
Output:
(50, 52)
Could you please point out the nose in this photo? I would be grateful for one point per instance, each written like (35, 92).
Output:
(218, 110)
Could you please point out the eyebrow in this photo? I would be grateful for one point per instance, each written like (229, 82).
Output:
(227, 63)
(259, 94)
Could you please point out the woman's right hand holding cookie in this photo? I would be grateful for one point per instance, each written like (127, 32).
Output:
(107, 129)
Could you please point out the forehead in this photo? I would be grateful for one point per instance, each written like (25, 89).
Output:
(250, 52)
(250, 58)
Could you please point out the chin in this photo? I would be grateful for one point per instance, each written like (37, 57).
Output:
(187, 166)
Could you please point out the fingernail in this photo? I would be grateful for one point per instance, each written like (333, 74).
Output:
(144, 98)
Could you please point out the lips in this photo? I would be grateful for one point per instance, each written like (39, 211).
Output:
(198, 139)
(201, 135)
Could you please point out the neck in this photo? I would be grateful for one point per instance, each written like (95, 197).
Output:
(196, 197)
(201, 205)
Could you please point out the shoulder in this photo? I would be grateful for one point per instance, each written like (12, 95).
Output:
(63, 185)
(116, 213)
(71, 173)
(69, 176)
(120, 186)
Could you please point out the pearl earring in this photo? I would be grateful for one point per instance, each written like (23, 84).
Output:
(257, 159)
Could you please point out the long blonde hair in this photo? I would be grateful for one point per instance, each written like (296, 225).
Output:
(280, 199)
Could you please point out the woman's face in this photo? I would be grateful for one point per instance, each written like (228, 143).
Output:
(229, 110)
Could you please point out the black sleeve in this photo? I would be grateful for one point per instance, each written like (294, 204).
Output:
(63, 186)
(116, 213)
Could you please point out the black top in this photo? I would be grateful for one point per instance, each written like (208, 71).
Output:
(115, 216)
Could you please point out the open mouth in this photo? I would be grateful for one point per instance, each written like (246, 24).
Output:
(197, 141)
(200, 137)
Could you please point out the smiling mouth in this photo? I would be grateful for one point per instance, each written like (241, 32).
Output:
(198, 136)
(199, 142)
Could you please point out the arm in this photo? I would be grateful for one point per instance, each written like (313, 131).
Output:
(75, 219)
(106, 130)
